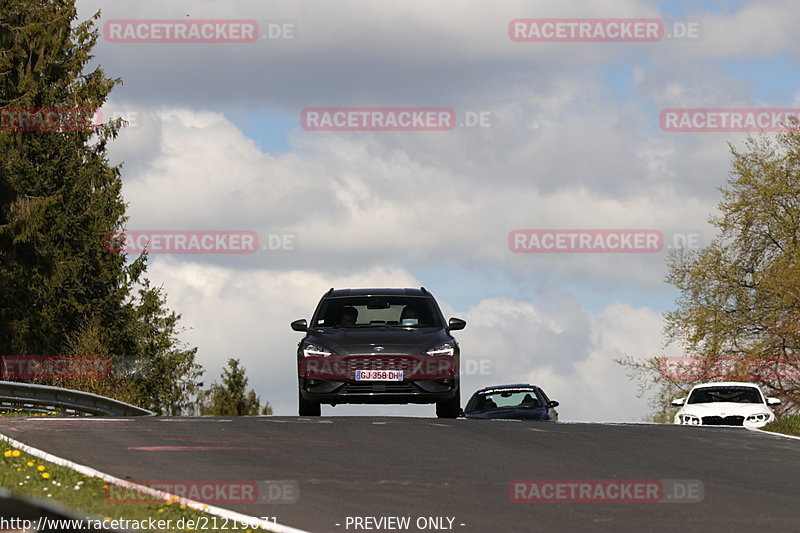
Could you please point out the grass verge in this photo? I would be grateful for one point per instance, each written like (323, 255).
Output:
(95, 499)
(789, 425)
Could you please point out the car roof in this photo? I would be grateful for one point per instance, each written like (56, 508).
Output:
(726, 384)
(337, 293)
(512, 386)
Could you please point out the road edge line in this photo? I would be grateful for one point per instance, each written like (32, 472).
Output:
(795, 437)
(192, 504)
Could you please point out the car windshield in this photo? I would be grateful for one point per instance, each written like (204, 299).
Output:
(505, 399)
(725, 394)
(378, 312)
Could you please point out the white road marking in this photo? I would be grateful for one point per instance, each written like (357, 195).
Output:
(773, 433)
(192, 504)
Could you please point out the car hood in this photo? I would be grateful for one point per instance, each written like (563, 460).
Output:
(355, 341)
(540, 413)
(724, 409)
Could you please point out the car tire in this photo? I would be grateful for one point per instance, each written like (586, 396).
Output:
(449, 408)
(307, 407)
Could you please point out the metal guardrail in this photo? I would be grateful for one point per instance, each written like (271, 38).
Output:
(30, 395)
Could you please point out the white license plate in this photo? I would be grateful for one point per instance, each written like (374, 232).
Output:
(379, 375)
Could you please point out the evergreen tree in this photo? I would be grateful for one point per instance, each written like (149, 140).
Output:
(229, 397)
(59, 198)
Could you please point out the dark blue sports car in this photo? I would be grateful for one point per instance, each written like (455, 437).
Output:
(517, 402)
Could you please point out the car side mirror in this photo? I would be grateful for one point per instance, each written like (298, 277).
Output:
(678, 402)
(300, 325)
(552, 403)
(773, 401)
(456, 323)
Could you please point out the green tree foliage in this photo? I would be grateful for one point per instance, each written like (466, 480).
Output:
(738, 312)
(60, 289)
(661, 387)
(229, 397)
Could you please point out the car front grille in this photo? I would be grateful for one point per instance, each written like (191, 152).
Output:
(371, 387)
(380, 363)
(723, 420)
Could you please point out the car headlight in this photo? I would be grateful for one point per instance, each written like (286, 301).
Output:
(760, 417)
(315, 350)
(443, 349)
(689, 419)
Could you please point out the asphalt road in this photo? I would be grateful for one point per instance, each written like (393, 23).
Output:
(451, 475)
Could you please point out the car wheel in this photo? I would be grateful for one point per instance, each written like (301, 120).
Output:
(307, 407)
(449, 408)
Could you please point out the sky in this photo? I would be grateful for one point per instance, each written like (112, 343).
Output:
(559, 135)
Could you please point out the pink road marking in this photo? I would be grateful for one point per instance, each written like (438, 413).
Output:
(187, 448)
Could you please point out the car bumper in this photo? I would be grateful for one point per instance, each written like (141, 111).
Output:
(535, 418)
(729, 421)
(382, 392)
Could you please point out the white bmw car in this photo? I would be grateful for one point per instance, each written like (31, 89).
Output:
(725, 403)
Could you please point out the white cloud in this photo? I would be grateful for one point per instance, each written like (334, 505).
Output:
(600, 389)
(757, 29)
(246, 315)
(574, 143)
(353, 51)
(559, 346)
(359, 201)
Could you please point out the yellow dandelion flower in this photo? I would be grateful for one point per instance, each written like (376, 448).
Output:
(30, 463)
(160, 510)
(7, 453)
(45, 475)
(183, 506)
(16, 453)
(40, 467)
